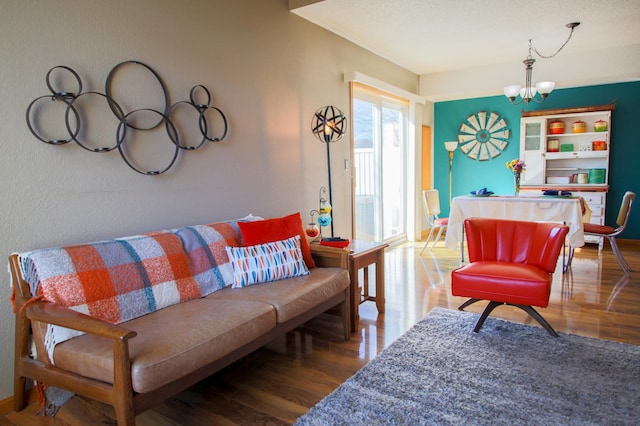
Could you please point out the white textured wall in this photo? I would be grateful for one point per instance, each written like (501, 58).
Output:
(267, 69)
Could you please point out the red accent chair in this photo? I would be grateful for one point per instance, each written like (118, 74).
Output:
(511, 263)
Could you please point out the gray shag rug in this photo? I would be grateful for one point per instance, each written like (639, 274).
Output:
(441, 372)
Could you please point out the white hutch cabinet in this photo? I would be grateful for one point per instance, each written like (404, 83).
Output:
(568, 150)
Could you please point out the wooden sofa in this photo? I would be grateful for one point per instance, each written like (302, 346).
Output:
(138, 363)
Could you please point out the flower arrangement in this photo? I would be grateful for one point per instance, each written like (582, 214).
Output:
(516, 166)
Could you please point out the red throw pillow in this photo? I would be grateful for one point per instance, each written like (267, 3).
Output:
(277, 229)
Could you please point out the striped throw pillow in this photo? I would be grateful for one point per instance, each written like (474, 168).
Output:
(266, 262)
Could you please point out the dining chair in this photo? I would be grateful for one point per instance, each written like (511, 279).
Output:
(431, 204)
(610, 233)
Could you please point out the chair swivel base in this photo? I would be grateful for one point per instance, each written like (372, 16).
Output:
(492, 305)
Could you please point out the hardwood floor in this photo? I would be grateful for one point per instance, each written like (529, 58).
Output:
(281, 381)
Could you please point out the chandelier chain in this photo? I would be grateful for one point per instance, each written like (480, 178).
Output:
(572, 26)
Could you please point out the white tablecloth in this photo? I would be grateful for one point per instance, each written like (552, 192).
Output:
(538, 209)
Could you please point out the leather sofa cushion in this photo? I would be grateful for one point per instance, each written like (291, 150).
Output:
(172, 342)
(292, 296)
(503, 282)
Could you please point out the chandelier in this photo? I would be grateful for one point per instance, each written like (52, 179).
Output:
(528, 93)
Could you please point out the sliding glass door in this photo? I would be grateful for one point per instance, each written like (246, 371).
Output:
(380, 136)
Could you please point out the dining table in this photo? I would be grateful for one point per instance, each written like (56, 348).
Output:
(563, 209)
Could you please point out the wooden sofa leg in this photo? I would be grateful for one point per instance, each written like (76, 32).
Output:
(346, 315)
(19, 393)
(21, 351)
(124, 414)
(122, 386)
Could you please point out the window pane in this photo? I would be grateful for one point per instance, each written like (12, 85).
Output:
(379, 127)
(393, 171)
(365, 124)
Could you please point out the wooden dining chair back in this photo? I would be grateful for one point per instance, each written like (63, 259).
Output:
(431, 205)
(610, 233)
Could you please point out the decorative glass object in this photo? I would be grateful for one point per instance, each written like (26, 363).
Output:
(324, 216)
(324, 219)
(312, 230)
(516, 184)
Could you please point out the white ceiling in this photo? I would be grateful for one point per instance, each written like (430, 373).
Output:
(429, 37)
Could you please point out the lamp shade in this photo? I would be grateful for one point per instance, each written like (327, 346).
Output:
(545, 87)
(451, 145)
(528, 92)
(512, 91)
(329, 124)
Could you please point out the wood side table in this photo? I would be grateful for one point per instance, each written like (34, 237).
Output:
(362, 254)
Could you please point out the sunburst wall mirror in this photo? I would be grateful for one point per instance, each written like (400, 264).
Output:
(483, 136)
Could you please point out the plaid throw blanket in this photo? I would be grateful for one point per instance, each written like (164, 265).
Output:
(205, 248)
(122, 279)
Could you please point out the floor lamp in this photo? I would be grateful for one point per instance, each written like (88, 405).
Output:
(329, 125)
(450, 147)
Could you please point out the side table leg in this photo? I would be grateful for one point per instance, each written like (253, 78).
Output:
(380, 282)
(354, 300)
(365, 285)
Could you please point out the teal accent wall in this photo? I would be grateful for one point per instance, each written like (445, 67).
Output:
(468, 174)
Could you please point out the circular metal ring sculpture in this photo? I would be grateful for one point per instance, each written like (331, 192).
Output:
(61, 94)
(173, 108)
(56, 95)
(74, 136)
(171, 132)
(73, 116)
(59, 141)
(193, 93)
(108, 92)
(203, 124)
(203, 109)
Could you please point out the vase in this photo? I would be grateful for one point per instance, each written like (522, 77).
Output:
(312, 231)
(516, 184)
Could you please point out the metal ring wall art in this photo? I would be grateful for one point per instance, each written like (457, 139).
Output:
(128, 122)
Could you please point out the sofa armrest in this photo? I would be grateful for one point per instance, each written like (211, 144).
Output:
(330, 257)
(59, 315)
(120, 394)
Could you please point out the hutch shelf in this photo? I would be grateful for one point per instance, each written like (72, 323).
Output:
(568, 150)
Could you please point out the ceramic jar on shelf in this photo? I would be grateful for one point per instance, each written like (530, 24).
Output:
(578, 126)
(556, 127)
